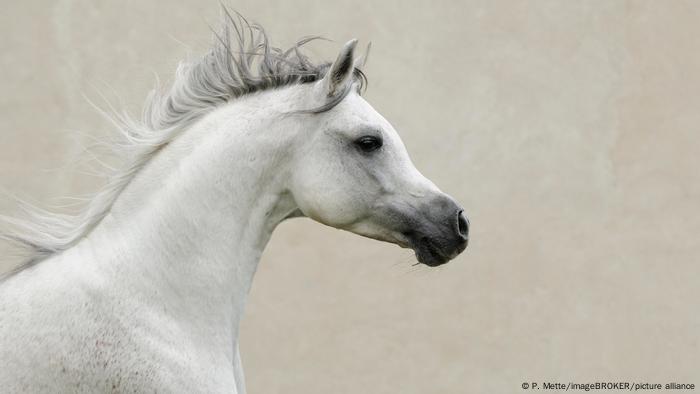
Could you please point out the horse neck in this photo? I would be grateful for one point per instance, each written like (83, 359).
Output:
(187, 233)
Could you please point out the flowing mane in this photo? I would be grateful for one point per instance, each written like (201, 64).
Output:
(240, 62)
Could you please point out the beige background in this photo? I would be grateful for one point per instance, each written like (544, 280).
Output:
(568, 129)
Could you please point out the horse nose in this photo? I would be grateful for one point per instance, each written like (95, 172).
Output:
(462, 225)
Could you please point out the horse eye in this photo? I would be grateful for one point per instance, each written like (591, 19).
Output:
(368, 143)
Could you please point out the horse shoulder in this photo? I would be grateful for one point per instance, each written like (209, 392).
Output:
(67, 329)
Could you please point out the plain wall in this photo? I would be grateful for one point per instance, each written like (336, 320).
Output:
(567, 129)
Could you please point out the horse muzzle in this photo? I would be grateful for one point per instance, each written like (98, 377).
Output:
(440, 233)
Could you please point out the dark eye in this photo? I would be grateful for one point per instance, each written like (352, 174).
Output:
(368, 143)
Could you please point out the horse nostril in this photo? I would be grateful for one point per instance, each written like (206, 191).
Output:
(462, 224)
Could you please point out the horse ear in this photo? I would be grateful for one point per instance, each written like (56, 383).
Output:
(341, 70)
(362, 60)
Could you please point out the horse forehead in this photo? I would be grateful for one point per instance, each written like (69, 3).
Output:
(356, 111)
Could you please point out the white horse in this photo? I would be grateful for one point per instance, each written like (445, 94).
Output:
(145, 290)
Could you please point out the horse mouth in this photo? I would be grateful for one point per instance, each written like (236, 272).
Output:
(429, 253)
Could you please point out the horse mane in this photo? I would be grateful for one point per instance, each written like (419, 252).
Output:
(240, 62)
